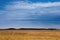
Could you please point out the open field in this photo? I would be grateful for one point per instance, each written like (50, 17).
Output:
(29, 34)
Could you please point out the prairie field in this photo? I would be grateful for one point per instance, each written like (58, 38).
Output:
(29, 34)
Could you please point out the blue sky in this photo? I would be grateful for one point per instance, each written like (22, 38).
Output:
(29, 13)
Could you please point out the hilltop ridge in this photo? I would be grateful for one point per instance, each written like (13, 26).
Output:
(31, 29)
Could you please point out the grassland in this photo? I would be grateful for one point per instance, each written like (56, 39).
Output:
(29, 34)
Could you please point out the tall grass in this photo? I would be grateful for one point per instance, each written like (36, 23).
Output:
(30, 35)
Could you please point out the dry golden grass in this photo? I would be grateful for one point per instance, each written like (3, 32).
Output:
(29, 34)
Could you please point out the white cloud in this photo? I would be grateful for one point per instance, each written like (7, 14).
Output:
(15, 11)
(26, 5)
(32, 8)
(23, 10)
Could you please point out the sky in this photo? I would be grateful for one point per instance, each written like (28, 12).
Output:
(29, 13)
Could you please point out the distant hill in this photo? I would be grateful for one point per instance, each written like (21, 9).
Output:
(31, 29)
(38, 29)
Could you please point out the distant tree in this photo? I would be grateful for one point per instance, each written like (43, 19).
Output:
(52, 29)
(11, 29)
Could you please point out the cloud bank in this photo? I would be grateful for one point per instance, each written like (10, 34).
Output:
(23, 14)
